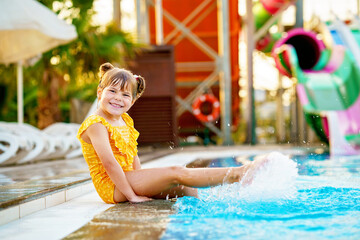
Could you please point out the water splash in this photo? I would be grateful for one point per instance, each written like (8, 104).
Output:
(273, 180)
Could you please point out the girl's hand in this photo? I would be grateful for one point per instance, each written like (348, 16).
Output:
(139, 199)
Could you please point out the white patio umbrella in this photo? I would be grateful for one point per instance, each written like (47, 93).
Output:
(28, 28)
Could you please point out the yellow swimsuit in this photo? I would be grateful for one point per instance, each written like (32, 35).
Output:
(124, 146)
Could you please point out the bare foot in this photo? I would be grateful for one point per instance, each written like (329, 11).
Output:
(252, 168)
(245, 173)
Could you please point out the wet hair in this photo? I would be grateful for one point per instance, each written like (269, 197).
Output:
(110, 75)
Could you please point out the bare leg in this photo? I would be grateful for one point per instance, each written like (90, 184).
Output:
(152, 182)
(179, 191)
(155, 181)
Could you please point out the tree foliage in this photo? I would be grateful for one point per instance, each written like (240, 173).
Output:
(65, 72)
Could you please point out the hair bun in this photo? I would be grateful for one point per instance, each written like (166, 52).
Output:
(140, 85)
(104, 68)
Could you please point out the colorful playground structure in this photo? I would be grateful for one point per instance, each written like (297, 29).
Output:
(328, 79)
(264, 10)
(326, 64)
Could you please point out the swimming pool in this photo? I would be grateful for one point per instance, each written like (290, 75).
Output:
(322, 203)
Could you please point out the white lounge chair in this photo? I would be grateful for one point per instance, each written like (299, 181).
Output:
(9, 145)
(22, 143)
(66, 133)
(40, 145)
(16, 147)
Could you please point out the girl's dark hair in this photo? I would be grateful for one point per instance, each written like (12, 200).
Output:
(110, 75)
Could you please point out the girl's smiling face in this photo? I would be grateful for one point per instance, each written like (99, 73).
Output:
(115, 101)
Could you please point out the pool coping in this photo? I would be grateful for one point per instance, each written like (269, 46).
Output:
(41, 193)
(147, 220)
(49, 198)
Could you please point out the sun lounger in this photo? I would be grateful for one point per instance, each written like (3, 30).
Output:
(22, 143)
(9, 146)
(66, 133)
(15, 147)
(34, 143)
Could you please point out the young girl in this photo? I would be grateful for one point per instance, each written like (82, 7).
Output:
(108, 140)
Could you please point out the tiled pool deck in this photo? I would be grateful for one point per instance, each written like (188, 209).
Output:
(23, 184)
(70, 207)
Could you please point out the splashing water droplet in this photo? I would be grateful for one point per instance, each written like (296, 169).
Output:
(272, 181)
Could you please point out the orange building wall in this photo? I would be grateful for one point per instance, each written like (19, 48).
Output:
(186, 51)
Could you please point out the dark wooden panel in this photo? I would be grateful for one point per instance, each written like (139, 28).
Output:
(156, 65)
(154, 113)
(153, 118)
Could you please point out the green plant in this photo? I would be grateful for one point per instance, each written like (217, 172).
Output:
(68, 71)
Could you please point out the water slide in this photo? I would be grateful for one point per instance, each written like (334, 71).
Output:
(328, 80)
(263, 11)
(349, 36)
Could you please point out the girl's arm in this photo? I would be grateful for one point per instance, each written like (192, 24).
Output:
(99, 138)
(136, 163)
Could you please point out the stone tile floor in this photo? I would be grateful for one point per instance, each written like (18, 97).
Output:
(23, 183)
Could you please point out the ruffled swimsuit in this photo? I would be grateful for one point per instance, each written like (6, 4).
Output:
(124, 146)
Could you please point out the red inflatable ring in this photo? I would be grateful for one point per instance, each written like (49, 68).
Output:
(215, 113)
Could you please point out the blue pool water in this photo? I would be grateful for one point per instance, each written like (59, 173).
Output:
(323, 203)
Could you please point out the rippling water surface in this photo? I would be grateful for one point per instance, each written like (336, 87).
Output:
(317, 198)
